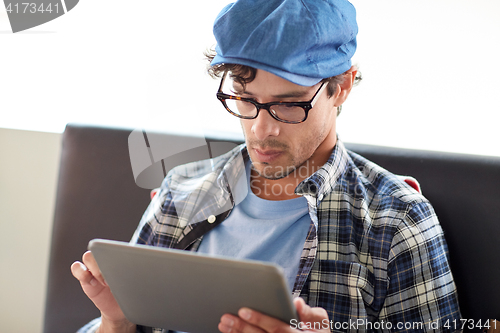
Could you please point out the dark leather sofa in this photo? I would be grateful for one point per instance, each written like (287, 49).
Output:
(97, 197)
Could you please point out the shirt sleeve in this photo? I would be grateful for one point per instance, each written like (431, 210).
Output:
(144, 232)
(158, 225)
(421, 295)
(91, 327)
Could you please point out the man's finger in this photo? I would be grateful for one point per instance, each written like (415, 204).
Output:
(234, 324)
(315, 317)
(265, 323)
(89, 283)
(91, 264)
(301, 306)
(307, 313)
(81, 273)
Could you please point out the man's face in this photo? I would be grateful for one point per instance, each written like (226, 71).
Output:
(276, 148)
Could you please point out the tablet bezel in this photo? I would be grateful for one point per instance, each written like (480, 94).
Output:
(188, 291)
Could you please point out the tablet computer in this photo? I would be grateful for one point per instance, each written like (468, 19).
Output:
(187, 291)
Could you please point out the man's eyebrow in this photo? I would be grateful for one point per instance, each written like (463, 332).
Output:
(291, 94)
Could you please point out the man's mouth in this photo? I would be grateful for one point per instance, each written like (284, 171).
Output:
(267, 155)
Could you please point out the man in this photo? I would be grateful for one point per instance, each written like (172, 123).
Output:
(362, 249)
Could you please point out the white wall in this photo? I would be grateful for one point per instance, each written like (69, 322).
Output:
(29, 163)
(431, 71)
(431, 74)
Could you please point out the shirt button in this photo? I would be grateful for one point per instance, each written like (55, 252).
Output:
(211, 219)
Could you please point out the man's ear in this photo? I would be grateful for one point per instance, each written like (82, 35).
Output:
(344, 89)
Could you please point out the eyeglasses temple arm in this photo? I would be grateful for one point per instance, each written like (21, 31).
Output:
(318, 93)
(222, 82)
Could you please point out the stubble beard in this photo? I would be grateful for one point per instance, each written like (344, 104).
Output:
(298, 163)
(273, 173)
(294, 164)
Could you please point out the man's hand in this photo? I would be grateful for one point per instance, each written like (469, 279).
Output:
(254, 322)
(94, 286)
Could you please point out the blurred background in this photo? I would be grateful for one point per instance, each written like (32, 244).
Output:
(430, 81)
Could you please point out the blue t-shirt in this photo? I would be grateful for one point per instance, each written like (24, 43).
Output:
(259, 229)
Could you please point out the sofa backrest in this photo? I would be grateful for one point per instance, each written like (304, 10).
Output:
(97, 197)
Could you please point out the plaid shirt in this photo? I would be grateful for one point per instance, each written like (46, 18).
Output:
(375, 257)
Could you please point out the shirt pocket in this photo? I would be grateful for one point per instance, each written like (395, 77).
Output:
(346, 289)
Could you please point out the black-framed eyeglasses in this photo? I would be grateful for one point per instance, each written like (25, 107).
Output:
(248, 108)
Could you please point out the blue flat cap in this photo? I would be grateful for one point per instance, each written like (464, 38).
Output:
(300, 41)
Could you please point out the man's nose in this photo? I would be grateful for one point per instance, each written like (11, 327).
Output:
(265, 125)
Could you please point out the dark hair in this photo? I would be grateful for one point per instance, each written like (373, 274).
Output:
(246, 74)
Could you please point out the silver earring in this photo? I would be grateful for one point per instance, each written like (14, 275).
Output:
(339, 109)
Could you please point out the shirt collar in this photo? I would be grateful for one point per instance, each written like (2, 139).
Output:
(323, 181)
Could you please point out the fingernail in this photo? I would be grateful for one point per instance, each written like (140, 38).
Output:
(245, 314)
(93, 282)
(228, 321)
